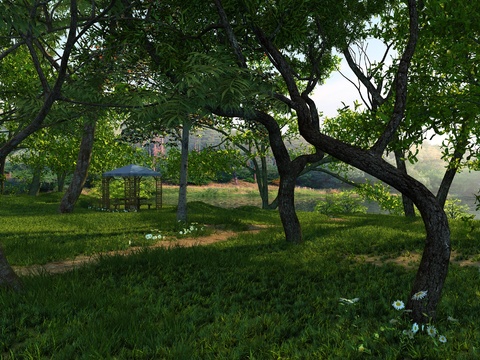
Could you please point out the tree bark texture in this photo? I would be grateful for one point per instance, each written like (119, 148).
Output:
(286, 209)
(8, 278)
(73, 192)
(182, 190)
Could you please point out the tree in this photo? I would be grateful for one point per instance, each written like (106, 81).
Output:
(290, 53)
(41, 28)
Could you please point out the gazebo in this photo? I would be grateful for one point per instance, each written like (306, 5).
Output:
(131, 174)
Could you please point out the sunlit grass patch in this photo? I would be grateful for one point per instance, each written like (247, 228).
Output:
(254, 296)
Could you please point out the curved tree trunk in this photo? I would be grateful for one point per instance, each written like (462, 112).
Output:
(182, 190)
(433, 268)
(8, 278)
(286, 208)
(73, 192)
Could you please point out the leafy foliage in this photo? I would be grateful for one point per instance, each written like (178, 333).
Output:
(344, 202)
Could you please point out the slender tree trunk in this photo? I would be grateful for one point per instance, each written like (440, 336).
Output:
(73, 192)
(264, 175)
(2, 175)
(182, 191)
(260, 175)
(448, 177)
(34, 188)
(408, 206)
(61, 181)
(8, 278)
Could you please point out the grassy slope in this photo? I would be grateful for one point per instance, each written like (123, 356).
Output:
(251, 297)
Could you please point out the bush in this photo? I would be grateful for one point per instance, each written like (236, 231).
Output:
(455, 210)
(346, 202)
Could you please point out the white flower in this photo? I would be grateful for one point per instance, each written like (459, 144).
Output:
(419, 295)
(129, 242)
(398, 305)
(155, 237)
(148, 236)
(180, 232)
(442, 339)
(415, 328)
(349, 301)
(431, 330)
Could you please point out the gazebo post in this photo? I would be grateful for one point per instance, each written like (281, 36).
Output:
(106, 192)
(158, 192)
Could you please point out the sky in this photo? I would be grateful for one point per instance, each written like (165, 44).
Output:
(338, 91)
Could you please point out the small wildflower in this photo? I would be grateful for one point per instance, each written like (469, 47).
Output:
(419, 295)
(129, 242)
(442, 339)
(155, 237)
(431, 330)
(349, 301)
(415, 328)
(180, 232)
(148, 236)
(398, 304)
(409, 333)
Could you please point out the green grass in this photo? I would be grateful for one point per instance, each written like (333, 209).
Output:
(252, 297)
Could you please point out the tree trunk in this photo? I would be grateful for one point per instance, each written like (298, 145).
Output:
(81, 170)
(433, 268)
(286, 208)
(34, 188)
(8, 278)
(449, 175)
(2, 175)
(61, 181)
(182, 191)
(408, 206)
(260, 175)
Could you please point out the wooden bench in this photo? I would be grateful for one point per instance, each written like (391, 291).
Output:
(145, 201)
(117, 202)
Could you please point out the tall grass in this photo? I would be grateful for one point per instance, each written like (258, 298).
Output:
(252, 297)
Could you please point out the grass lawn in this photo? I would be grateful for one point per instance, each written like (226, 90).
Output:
(251, 297)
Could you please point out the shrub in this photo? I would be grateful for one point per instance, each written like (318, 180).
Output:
(345, 202)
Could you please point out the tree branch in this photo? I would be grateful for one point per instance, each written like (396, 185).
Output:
(401, 81)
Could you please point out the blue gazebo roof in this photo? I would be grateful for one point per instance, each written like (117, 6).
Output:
(131, 171)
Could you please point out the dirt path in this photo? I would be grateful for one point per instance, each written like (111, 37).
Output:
(407, 260)
(67, 265)
(412, 260)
